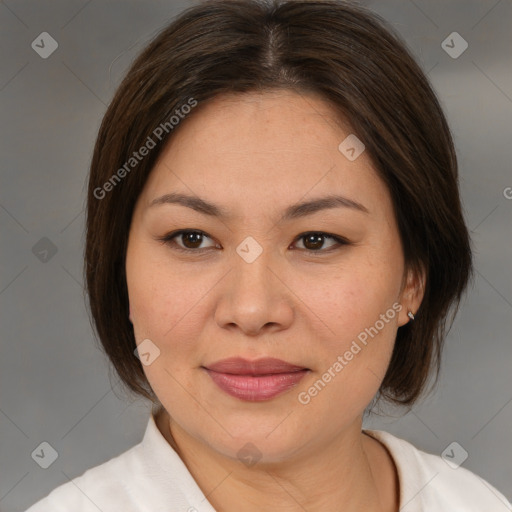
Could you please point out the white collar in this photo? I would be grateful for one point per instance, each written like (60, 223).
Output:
(406, 457)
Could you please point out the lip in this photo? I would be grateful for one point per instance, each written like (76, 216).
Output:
(255, 381)
(263, 366)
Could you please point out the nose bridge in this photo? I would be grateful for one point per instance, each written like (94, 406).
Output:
(252, 264)
(253, 296)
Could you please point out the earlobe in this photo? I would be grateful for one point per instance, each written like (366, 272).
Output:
(412, 294)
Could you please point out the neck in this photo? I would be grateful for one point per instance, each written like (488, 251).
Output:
(336, 476)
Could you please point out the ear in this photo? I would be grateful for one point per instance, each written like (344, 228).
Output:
(411, 295)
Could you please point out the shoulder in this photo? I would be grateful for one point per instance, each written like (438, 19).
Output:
(99, 488)
(429, 482)
(149, 476)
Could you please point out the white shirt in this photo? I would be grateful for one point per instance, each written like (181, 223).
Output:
(151, 477)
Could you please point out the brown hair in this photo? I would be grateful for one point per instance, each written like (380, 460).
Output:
(354, 61)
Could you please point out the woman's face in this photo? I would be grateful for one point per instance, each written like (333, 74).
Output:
(255, 285)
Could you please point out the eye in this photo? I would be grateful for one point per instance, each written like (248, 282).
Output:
(313, 241)
(191, 240)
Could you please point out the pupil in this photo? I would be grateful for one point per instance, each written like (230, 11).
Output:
(189, 238)
(313, 241)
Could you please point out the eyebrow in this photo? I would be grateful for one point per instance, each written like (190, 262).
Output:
(294, 211)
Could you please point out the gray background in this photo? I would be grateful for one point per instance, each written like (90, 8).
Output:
(55, 384)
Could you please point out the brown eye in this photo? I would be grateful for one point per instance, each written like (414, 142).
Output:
(314, 241)
(187, 240)
(192, 239)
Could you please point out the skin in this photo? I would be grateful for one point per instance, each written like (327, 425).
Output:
(255, 155)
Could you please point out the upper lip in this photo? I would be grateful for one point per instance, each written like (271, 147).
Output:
(264, 366)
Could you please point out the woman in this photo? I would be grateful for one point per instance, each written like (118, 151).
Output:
(274, 240)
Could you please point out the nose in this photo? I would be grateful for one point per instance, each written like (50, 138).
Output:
(254, 297)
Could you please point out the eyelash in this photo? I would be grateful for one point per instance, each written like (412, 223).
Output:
(168, 240)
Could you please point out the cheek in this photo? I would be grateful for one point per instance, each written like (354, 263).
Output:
(152, 289)
(352, 298)
(164, 305)
(359, 309)
(168, 307)
(165, 309)
(353, 358)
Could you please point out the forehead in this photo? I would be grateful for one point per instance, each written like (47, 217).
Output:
(263, 145)
(263, 123)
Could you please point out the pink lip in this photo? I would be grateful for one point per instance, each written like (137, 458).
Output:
(255, 381)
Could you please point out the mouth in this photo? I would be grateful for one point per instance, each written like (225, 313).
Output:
(255, 381)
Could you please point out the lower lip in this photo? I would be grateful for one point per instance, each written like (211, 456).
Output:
(256, 388)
